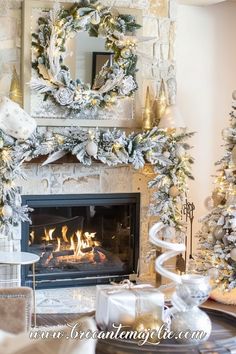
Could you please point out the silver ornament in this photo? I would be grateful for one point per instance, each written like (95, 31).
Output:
(192, 320)
(91, 148)
(233, 254)
(219, 233)
(7, 211)
(95, 18)
(125, 53)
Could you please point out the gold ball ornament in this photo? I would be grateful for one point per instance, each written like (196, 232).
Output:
(7, 211)
(218, 198)
(174, 192)
(219, 233)
(233, 254)
(91, 148)
(149, 323)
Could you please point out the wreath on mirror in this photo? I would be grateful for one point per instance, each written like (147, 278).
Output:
(53, 77)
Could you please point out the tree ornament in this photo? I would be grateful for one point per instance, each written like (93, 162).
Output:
(148, 322)
(95, 18)
(7, 211)
(226, 133)
(233, 254)
(213, 273)
(234, 95)
(219, 233)
(91, 148)
(174, 192)
(233, 155)
(125, 53)
(218, 198)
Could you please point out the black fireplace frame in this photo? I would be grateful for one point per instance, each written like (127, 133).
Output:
(70, 200)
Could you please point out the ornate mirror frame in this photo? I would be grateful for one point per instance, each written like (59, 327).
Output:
(131, 107)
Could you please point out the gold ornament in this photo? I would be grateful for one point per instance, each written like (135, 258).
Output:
(160, 103)
(15, 93)
(148, 114)
(174, 192)
(218, 198)
(147, 322)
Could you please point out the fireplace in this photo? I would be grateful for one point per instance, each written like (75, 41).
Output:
(81, 239)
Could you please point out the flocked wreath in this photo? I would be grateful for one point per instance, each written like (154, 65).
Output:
(49, 43)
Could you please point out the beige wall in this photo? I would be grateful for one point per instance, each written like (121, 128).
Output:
(206, 76)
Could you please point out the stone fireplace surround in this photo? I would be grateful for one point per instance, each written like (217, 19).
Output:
(74, 178)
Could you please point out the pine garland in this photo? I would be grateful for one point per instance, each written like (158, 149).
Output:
(167, 153)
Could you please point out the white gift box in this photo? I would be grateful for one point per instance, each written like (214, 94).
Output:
(121, 305)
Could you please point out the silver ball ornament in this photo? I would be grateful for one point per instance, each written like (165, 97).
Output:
(7, 211)
(192, 320)
(125, 53)
(95, 18)
(219, 233)
(233, 254)
(91, 148)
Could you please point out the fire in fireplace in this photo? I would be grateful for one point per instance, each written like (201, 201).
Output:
(82, 239)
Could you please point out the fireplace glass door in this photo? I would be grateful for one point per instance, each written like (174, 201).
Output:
(81, 238)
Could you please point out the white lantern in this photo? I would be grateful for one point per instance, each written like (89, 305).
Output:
(14, 121)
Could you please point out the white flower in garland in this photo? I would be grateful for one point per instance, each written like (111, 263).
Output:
(127, 86)
(64, 96)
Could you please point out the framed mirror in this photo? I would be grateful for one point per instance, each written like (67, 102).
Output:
(79, 64)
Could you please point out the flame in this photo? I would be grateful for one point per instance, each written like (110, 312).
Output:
(64, 230)
(58, 245)
(48, 234)
(32, 237)
(72, 243)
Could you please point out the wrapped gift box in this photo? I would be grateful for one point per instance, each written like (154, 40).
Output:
(122, 304)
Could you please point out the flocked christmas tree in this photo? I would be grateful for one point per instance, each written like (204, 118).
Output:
(217, 238)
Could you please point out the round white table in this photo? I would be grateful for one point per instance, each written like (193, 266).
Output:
(22, 258)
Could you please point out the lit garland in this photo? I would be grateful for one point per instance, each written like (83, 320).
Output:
(168, 153)
(49, 44)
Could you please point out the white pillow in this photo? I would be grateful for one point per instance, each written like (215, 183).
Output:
(14, 121)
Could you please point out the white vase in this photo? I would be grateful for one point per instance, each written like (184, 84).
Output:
(228, 298)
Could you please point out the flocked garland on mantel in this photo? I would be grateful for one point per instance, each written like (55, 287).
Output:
(168, 153)
(49, 43)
